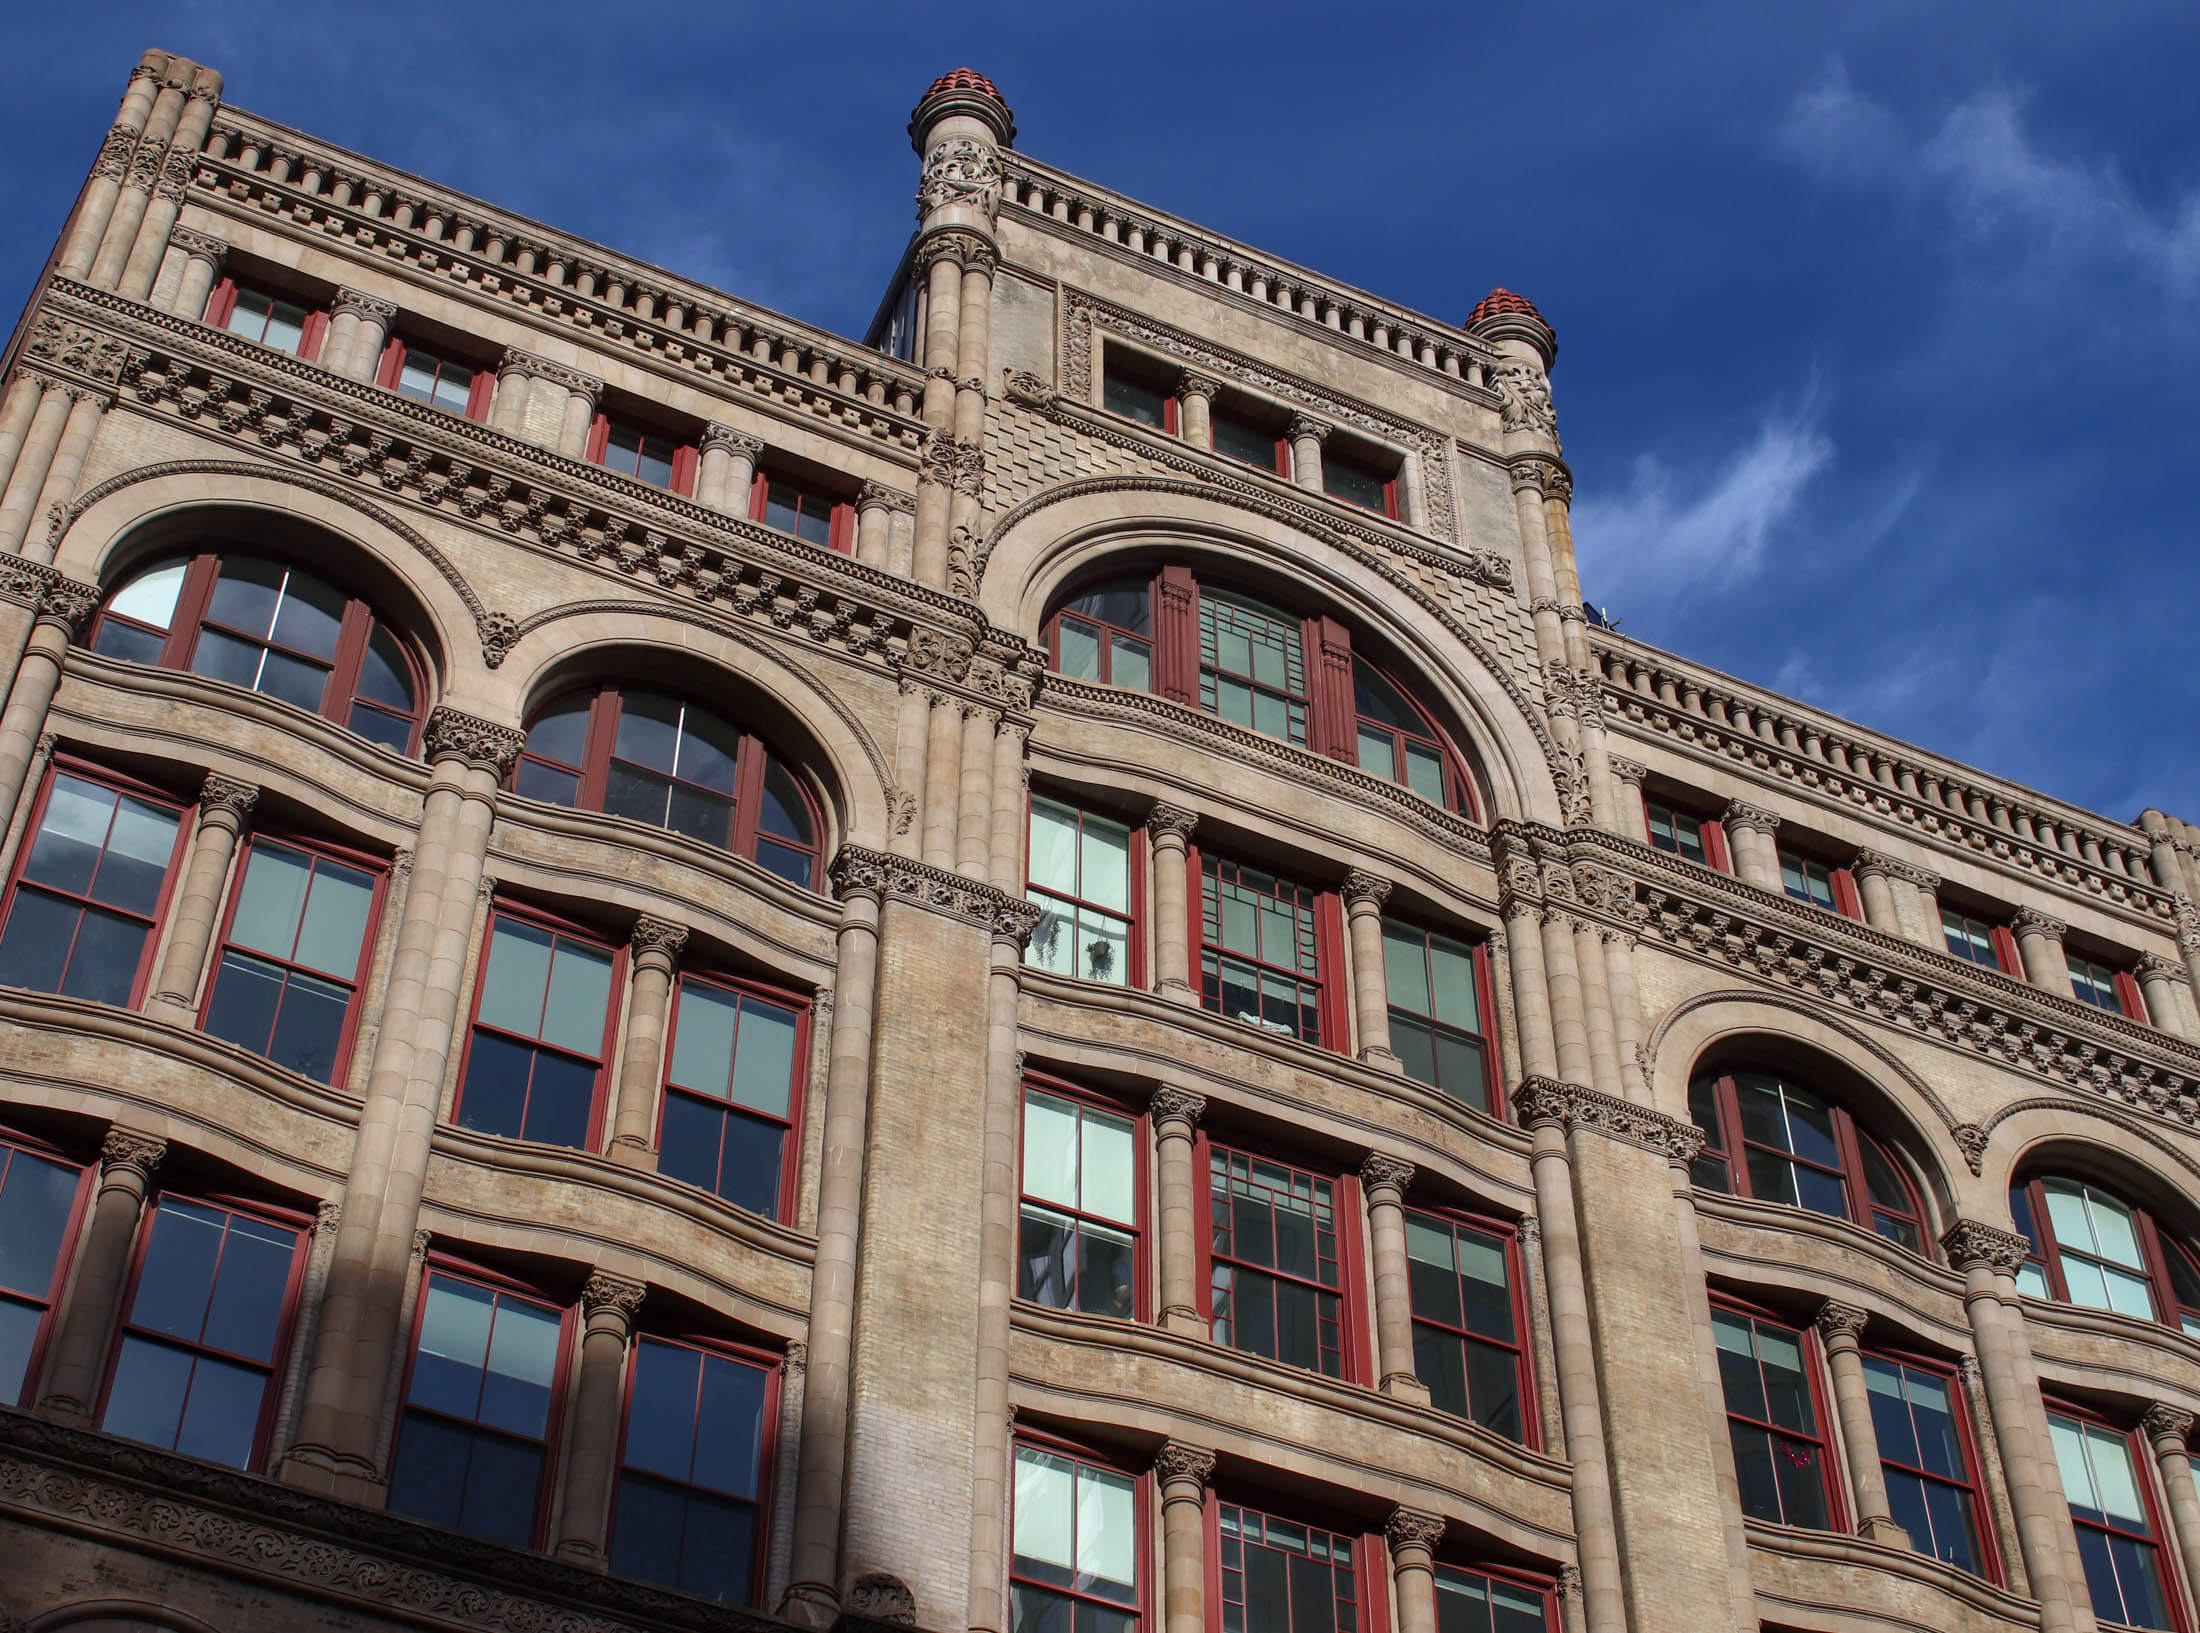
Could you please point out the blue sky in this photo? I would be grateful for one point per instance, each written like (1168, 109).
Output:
(1879, 323)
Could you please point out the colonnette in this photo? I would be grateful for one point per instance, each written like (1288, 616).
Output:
(661, 970)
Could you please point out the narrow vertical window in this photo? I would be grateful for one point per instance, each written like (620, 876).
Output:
(1436, 1012)
(37, 1204)
(1240, 438)
(1808, 880)
(1136, 400)
(292, 958)
(730, 1079)
(1282, 1577)
(1078, 1235)
(2114, 1522)
(1080, 877)
(1260, 959)
(416, 372)
(1074, 1558)
(1252, 665)
(1470, 1602)
(690, 1495)
(87, 892)
(1396, 742)
(2092, 982)
(474, 1441)
(200, 1340)
(631, 451)
(793, 507)
(1932, 1485)
(1677, 833)
(1276, 1284)
(1774, 1422)
(1969, 938)
(541, 1035)
(254, 314)
(1466, 1333)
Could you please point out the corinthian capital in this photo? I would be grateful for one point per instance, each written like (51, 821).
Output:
(1178, 1463)
(2030, 921)
(1968, 1242)
(1741, 817)
(129, 1150)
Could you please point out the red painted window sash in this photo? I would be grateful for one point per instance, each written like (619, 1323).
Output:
(1811, 1345)
(1847, 1140)
(1355, 1336)
(599, 437)
(685, 461)
(1331, 1002)
(2005, 950)
(1176, 635)
(392, 366)
(64, 1257)
(1715, 850)
(2128, 994)
(1332, 719)
(2146, 1473)
(1531, 1417)
(1142, 1289)
(221, 300)
(1055, 1445)
(790, 1156)
(1845, 897)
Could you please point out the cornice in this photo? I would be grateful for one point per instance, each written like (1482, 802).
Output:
(1575, 1108)
(859, 871)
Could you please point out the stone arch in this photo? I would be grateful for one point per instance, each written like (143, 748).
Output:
(2061, 1132)
(1413, 609)
(806, 720)
(115, 1616)
(1890, 1098)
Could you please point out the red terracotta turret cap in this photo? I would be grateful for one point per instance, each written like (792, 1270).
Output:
(964, 91)
(1501, 314)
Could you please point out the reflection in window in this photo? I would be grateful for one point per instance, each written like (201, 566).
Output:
(2091, 1247)
(1282, 1577)
(1252, 666)
(1466, 1338)
(690, 1491)
(1770, 1137)
(1931, 1486)
(1106, 634)
(1081, 880)
(729, 1094)
(1470, 1602)
(37, 1200)
(297, 940)
(2123, 1565)
(1259, 962)
(1275, 1286)
(80, 922)
(1077, 1246)
(1772, 1420)
(1436, 1012)
(1076, 1541)
(539, 1037)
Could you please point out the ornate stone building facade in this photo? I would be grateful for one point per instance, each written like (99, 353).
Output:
(660, 970)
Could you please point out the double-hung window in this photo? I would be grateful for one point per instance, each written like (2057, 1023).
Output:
(1397, 743)
(1774, 1420)
(1106, 634)
(39, 1201)
(1977, 941)
(438, 381)
(292, 957)
(1279, 1576)
(1925, 1454)
(1252, 665)
(2114, 1517)
(2091, 1247)
(203, 1333)
(2098, 984)
(1260, 953)
(1466, 1322)
(1679, 833)
(1809, 880)
(263, 316)
(730, 1093)
(1081, 873)
(809, 513)
(1275, 1269)
(1077, 1239)
(647, 456)
(1435, 989)
(1077, 1538)
(474, 1443)
(1475, 1602)
(88, 891)
(542, 1034)
(691, 1484)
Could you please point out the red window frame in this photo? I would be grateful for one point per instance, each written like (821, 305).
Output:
(320, 850)
(1141, 1180)
(1333, 460)
(1711, 836)
(1840, 883)
(481, 386)
(285, 1330)
(553, 1435)
(592, 774)
(1813, 1364)
(1371, 1598)
(1524, 1389)
(1997, 936)
(68, 765)
(1220, 412)
(790, 1127)
(1543, 1587)
(1974, 1481)
(1328, 978)
(1459, 789)
(1494, 1098)
(840, 515)
(773, 1366)
(1134, 971)
(1356, 1362)
(1140, 1610)
(1112, 374)
(2146, 1475)
(1726, 1145)
(2157, 1247)
(1172, 642)
(340, 695)
(221, 305)
(14, 1142)
(2129, 1003)
(685, 458)
(599, 1107)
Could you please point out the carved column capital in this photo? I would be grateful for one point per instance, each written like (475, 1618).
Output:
(1179, 1107)
(611, 1296)
(482, 744)
(878, 496)
(1742, 817)
(65, 602)
(127, 1151)
(2159, 967)
(730, 440)
(1172, 822)
(1198, 385)
(1384, 1177)
(226, 799)
(1365, 891)
(1572, 1106)
(2030, 921)
(1970, 1242)
(1841, 1324)
(1304, 426)
(1630, 772)
(797, 1358)
(1868, 863)
(1178, 1466)
(2168, 1428)
(658, 940)
(200, 246)
(1409, 1528)
(372, 308)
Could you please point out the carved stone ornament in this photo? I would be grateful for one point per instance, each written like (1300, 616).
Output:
(541, 368)
(1569, 1581)
(937, 655)
(878, 496)
(200, 246)
(1628, 772)
(126, 1148)
(2167, 1423)
(499, 632)
(225, 796)
(2030, 921)
(960, 171)
(1382, 1172)
(858, 871)
(731, 441)
(1171, 821)
(1198, 385)
(1524, 400)
(1741, 817)
(653, 935)
(617, 1294)
(881, 1596)
(327, 1216)
(1839, 1320)
(1014, 919)
(2188, 924)
(372, 308)
(1027, 388)
(113, 162)
(798, 1357)
(1363, 889)
(66, 602)
(2160, 967)
(1968, 1242)
(57, 342)
(1177, 1462)
(947, 461)
(1301, 426)
(1972, 1140)
(1177, 1106)
(1410, 1528)
(482, 744)
(1868, 863)
(1572, 1106)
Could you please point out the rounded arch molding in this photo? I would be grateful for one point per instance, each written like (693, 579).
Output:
(491, 629)
(113, 1616)
(2056, 1131)
(1525, 762)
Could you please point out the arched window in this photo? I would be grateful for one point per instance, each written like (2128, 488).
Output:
(269, 628)
(2091, 1247)
(1287, 676)
(1768, 1136)
(671, 763)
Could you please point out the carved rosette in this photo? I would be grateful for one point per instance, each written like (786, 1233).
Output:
(1742, 817)
(658, 941)
(1968, 1242)
(936, 655)
(1842, 1323)
(2167, 1427)
(226, 798)
(57, 341)
(1409, 1528)
(482, 744)
(1171, 822)
(1577, 1108)
(1384, 1177)
(1179, 1465)
(1176, 1110)
(1365, 892)
(127, 1151)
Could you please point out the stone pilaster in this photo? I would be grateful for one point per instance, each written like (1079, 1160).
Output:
(1175, 1115)
(1383, 1183)
(204, 256)
(608, 1306)
(1195, 405)
(93, 1302)
(358, 328)
(725, 474)
(653, 963)
(1840, 1328)
(1306, 437)
(1364, 896)
(60, 608)
(225, 806)
(2168, 1431)
(1182, 1473)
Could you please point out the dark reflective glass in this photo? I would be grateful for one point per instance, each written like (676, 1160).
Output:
(784, 811)
(1125, 603)
(389, 730)
(311, 617)
(384, 676)
(1135, 400)
(544, 783)
(310, 1027)
(248, 992)
(129, 643)
(34, 949)
(225, 657)
(103, 964)
(246, 596)
(660, 1425)
(558, 1106)
(19, 1324)
(560, 732)
(494, 1099)
(37, 1196)
(178, 1277)
(246, 1310)
(649, 730)
(796, 867)
(1046, 1258)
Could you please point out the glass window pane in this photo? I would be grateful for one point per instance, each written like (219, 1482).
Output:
(1130, 663)
(1405, 968)
(1106, 859)
(2115, 1228)
(1452, 969)
(454, 1342)
(384, 676)
(177, 1278)
(1045, 1521)
(580, 992)
(784, 811)
(335, 928)
(247, 596)
(517, 979)
(1050, 1149)
(310, 617)
(272, 899)
(702, 1044)
(763, 1068)
(523, 1353)
(247, 1306)
(136, 863)
(1054, 846)
(1110, 1166)
(1107, 1530)
(36, 1197)
(729, 1424)
(1378, 753)
(150, 598)
(660, 1423)
(310, 1026)
(1079, 644)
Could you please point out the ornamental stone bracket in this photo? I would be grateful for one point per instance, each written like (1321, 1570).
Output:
(1576, 1108)
(857, 871)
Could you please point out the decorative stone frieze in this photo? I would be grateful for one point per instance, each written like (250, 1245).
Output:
(960, 171)
(948, 461)
(1576, 1107)
(881, 1596)
(1967, 1242)
(1972, 1141)
(1173, 820)
(1524, 400)
(62, 343)
(858, 871)
(1306, 427)
(47, 593)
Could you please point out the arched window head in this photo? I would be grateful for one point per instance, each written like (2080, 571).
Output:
(669, 762)
(1773, 1137)
(1285, 675)
(273, 628)
(2091, 1247)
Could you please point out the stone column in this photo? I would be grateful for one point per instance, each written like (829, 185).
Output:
(508, 408)
(2168, 994)
(1840, 1326)
(1988, 1259)
(1383, 1182)
(1169, 829)
(24, 394)
(942, 780)
(93, 1302)
(813, 1592)
(725, 477)
(2040, 943)
(177, 166)
(142, 176)
(204, 257)
(47, 468)
(1183, 1472)
(1633, 819)
(655, 956)
(1306, 437)
(97, 206)
(793, 1374)
(1364, 895)
(1751, 833)
(1413, 1537)
(876, 507)
(1175, 1114)
(1876, 885)
(1004, 864)
(225, 805)
(577, 412)
(63, 607)
(33, 457)
(2169, 1431)
(608, 1304)
(358, 328)
(1195, 402)
(974, 796)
